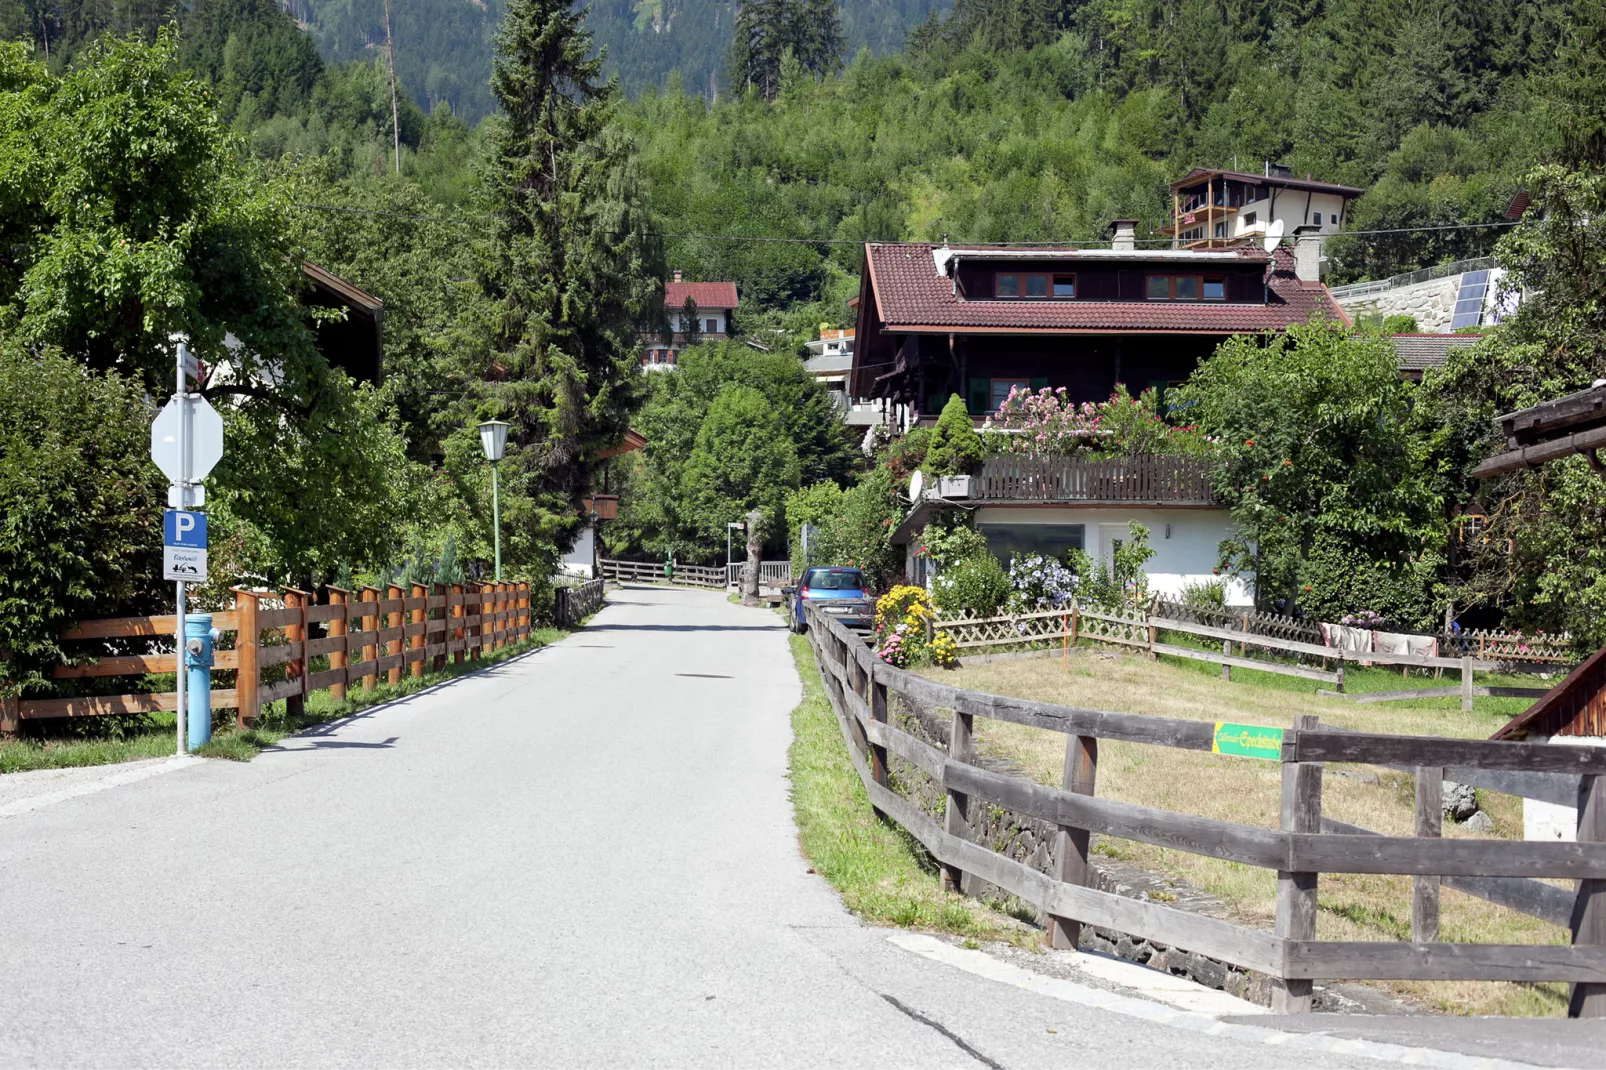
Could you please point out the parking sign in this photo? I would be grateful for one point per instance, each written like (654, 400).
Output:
(183, 545)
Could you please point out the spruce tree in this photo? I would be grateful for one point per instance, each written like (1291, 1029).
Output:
(766, 30)
(570, 269)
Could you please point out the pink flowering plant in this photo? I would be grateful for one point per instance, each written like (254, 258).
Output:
(1046, 421)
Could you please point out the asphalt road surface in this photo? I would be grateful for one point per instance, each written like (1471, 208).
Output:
(585, 857)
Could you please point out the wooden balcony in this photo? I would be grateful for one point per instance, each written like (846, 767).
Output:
(1142, 478)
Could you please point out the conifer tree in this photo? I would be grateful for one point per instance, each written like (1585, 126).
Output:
(766, 30)
(570, 269)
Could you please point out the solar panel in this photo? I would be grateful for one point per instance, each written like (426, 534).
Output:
(1469, 300)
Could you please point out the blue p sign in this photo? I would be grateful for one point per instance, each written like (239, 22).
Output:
(182, 527)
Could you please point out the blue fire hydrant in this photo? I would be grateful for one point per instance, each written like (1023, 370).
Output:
(198, 637)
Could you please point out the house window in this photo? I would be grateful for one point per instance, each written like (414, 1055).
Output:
(1064, 286)
(1007, 286)
(1034, 287)
(1221, 230)
(1186, 288)
(712, 327)
(1051, 540)
(1001, 389)
(1249, 219)
(1316, 217)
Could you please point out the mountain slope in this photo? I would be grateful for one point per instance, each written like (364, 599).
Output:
(443, 47)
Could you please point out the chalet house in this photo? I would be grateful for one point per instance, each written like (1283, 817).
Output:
(981, 320)
(355, 342)
(709, 304)
(1573, 712)
(1214, 209)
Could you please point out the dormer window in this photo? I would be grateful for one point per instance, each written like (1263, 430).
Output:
(1185, 288)
(1032, 286)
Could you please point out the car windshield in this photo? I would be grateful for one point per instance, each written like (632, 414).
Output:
(834, 579)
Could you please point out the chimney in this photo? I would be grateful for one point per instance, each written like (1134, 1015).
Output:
(677, 276)
(1125, 239)
(1308, 253)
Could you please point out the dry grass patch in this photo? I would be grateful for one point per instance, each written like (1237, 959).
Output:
(1247, 791)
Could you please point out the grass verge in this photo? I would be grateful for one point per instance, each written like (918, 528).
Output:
(152, 736)
(882, 875)
(1246, 791)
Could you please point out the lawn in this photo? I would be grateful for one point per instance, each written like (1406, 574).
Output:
(1352, 906)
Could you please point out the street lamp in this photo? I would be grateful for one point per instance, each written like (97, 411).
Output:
(493, 440)
(739, 526)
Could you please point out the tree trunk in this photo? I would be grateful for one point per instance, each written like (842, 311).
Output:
(755, 557)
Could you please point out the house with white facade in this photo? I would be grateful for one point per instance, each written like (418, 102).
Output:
(695, 310)
(1050, 505)
(830, 360)
(1213, 209)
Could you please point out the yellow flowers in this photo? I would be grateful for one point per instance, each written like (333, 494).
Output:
(903, 618)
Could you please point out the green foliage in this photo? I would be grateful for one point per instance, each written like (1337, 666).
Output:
(1400, 324)
(1317, 453)
(569, 268)
(1552, 518)
(1206, 594)
(976, 585)
(818, 504)
(957, 448)
(947, 546)
(80, 504)
(740, 461)
(770, 34)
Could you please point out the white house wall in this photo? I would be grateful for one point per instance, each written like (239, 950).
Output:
(1552, 821)
(1292, 211)
(1187, 556)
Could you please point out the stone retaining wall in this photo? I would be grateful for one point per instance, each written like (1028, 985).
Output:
(1432, 303)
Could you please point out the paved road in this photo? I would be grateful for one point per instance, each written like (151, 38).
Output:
(582, 858)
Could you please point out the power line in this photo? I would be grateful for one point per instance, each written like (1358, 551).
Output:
(391, 215)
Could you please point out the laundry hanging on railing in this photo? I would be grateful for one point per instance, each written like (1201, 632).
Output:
(1367, 641)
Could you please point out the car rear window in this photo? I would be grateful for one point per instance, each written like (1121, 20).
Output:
(834, 579)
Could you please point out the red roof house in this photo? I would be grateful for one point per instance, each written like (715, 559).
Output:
(709, 304)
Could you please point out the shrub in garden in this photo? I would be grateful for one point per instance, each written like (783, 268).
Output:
(976, 585)
(80, 504)
(902, 616)
(1207, 594)
(1037, 583)
(958, 448)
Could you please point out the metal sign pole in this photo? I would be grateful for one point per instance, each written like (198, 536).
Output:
(180, 502)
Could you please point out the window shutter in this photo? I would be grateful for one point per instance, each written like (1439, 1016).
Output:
(1039, 381)
(980, 389)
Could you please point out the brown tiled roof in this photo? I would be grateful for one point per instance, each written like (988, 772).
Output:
(910, 295)
(1199, 174)
(1419, 352)
(705, 294)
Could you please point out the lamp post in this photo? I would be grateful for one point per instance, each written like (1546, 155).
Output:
(493, 440)
(737, 525)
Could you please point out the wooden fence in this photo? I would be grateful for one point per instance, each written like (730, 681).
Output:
(1142, 478)
(770, 573)
(861, 688)
(571, 605)
(653, 572)
(362, 634)
(1143, 630)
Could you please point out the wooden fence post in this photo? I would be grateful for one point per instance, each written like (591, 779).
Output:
(474, 634)
(295, 706)
(1070, 843)
(1338, 685)
(1226, 652)
(417, 617)
(336, 629)
(457, 633)
(955, 819)
(393, 619)
(9, 720)
(1466, 685)
(247, 639)
(1588, 999)
(1076, 622)
(370, 651)
(1296, 892)
(1429, 822)
(525, 622)
(438, 662)
(878, 713)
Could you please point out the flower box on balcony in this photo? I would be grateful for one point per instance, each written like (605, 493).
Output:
(953, 486)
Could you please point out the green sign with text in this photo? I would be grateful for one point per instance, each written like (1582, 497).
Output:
(1248, 741)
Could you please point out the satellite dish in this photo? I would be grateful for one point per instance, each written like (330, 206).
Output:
(917, 483)
(1274, 234)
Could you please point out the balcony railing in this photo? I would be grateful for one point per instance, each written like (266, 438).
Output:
(1140, 478)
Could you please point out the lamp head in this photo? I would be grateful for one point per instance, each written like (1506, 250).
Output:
(493, 439)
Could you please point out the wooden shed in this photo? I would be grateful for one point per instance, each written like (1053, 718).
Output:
(1572, 712)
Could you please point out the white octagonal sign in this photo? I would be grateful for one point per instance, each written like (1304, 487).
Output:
(206, 438)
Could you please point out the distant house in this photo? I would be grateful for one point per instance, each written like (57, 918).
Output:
(711, 305)
(1212, 208)
(354, 343)
(582, 558)
(1415, 354)
(830, 360)
(936, 320)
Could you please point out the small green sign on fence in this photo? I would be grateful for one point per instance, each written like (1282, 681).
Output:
(1248, 741)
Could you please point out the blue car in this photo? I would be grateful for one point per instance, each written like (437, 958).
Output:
(839, 592)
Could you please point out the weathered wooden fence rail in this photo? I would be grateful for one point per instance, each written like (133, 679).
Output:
(653, 572)
(573, 604)
(770, 573)
(363, 634)
(1143, 630)
(860, 687)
